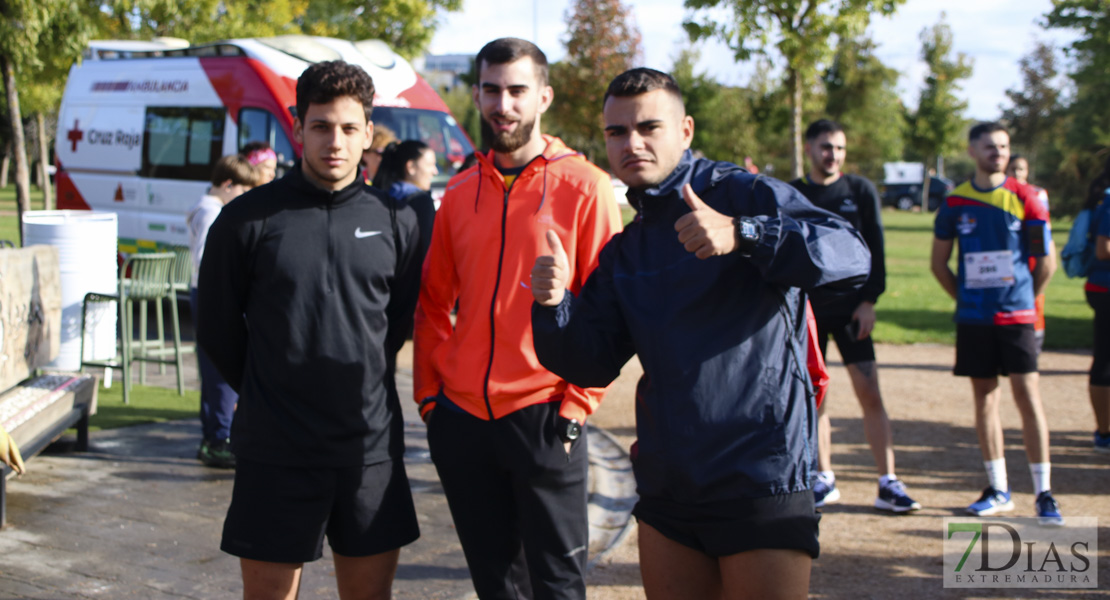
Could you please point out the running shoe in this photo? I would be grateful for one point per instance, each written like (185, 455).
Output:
(1102, 443)
(893, 497)
(1048, 510)
(217, 454)
(824, 493)
(991, 502)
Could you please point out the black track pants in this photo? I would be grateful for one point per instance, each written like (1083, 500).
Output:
(517, 499)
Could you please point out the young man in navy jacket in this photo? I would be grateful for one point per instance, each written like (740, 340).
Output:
(706, 286)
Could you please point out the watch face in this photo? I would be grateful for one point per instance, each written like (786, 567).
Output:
(747, 229)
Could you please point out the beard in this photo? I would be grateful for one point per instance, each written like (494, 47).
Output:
(509, 141)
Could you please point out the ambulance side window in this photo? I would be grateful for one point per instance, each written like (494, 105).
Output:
(260, 125)
(182, 143)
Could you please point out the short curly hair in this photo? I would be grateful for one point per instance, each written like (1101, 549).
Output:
(323, 82)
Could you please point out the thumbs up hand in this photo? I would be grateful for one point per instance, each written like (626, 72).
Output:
(704, 231)
(551, 273)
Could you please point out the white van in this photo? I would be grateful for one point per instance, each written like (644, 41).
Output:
(142, 123)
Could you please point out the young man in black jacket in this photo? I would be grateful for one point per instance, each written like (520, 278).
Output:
(307, 292)
(706, 286)
(850, 320)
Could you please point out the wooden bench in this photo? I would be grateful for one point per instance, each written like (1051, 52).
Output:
(38, 411)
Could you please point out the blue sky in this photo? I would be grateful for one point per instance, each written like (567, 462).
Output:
(994, 33)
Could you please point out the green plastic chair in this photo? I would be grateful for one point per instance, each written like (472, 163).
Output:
(181, 278)
(143, 278)
(182, 269)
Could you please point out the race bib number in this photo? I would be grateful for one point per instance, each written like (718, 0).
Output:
(988, 269)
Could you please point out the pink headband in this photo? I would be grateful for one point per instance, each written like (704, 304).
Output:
(259, 156)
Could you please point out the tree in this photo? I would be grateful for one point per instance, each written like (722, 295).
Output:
(803, 31)
(21, 27)
(406, 25)
(723, 125)
(1088, 130)
(198, 21)
(41, 85)
(937, 126)
(1035, 108)
(861, 96)
(602, 41)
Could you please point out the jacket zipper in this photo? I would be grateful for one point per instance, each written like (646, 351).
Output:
(493, 304)
(331, 248)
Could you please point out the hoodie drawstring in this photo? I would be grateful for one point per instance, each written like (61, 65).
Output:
(479, 193)
(543, 194)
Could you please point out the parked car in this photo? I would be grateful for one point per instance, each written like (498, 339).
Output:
(905, 196)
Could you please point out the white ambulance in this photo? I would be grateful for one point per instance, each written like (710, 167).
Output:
(142, 123)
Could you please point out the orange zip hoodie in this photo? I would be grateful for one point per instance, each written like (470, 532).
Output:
(485, 240)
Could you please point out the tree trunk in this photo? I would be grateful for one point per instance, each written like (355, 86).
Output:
(4, 164)
(19, 147)
(794, 83)
(44, 162)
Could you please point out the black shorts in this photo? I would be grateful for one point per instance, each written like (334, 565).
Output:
(987, 351)
(782, 522)
(281, 514)
(851, 350)
(1100, 363)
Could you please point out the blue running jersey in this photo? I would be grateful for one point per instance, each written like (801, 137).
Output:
(999, 230)
(1098, 279)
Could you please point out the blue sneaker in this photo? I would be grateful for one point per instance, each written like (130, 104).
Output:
(824, 493)
(991, 502)
(1048, 510)
(1102, 443)
(893, 497)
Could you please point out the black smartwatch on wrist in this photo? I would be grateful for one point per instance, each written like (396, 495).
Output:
(569, 429)
(748, 234)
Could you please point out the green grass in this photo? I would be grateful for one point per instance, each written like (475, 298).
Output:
(915, 309)
(9, 225)
(148, 405)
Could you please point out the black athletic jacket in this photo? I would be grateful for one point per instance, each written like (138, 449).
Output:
(722, 410)
(305, 297)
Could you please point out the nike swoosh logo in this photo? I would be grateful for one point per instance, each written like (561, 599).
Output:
(359, 233)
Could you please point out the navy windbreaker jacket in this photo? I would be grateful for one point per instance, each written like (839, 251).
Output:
(723, 410)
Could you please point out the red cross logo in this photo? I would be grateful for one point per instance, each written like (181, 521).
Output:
(75, 135)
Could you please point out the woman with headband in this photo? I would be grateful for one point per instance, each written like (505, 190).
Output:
(262, 157)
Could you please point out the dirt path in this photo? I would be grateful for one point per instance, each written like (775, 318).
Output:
(867, 554)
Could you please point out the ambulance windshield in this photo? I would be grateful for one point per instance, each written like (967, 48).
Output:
(437, 129)
(302, 47)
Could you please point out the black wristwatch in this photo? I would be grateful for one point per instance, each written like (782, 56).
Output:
(569, 429)
(748, 234)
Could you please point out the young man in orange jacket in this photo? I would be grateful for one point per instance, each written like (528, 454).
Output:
(506, 434)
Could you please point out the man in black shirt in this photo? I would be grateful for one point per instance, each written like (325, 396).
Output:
(851, 319)
(307, 292)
